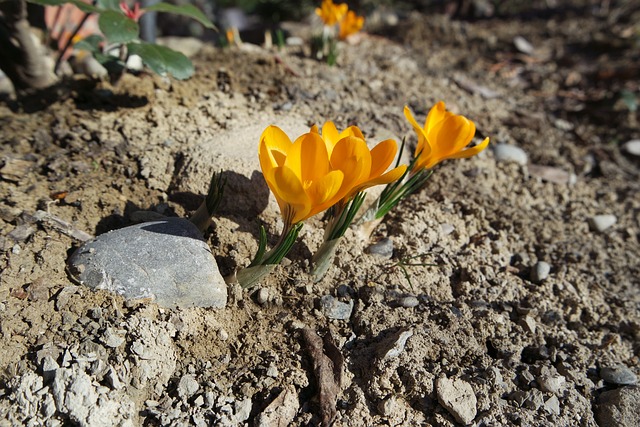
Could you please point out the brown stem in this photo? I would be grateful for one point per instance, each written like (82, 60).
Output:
(21, 58)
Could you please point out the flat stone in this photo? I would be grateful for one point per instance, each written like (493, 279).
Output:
(457, 397)
(602, 222)
(552, 405)
(188, 386)
(618, 408)
(166, 261)
(540, 271)
(620, 375)
(383, 248)
(510, 153)
(336, 309)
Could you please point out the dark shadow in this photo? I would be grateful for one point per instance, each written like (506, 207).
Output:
(86, 94)
(117, 219)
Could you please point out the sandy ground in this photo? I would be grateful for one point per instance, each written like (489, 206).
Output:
(476, 333)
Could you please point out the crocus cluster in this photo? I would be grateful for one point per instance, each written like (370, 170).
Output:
(339, 23)
(330, 170)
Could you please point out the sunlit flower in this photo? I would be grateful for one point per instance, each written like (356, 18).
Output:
(362, 167)
(444, 136)
(134, 14)
(331, 13)
(299, 174)
(350, 24)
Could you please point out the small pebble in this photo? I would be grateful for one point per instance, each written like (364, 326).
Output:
(620, 375)
(632, 147)
(383, 248)
(540, 271)
(457, 397)
(523, 45)
(408, 302)
(552, 405)
(618, 408)
(510, 153)
(551, 383)
(223, 335)
(446, 229)
(188, 386)
(335, 309)
(602, 222)
(262, 296)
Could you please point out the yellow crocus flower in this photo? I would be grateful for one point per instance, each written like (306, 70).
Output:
(362, 167)
(444, 136)
(351, 24)
(331, 13)
(299, 174)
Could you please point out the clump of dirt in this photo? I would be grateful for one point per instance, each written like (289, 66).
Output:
(502, 301)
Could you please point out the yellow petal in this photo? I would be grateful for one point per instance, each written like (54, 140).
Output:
(351, 155)
(423, 147)
(382, 155)
(323, 192)
(289, 192)
(274, 145)
(308, 157)
(437, 113)
(472, 151)
(393, 175)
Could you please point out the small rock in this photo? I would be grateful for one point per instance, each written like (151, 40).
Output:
(163, 260)
(262, 296)
(242, 410)
(457, 397)
(188, 386)
(523, 45)
(392, 346)
(223, 335)
(49, 366)
(552, 405)
(632, 147)
(620, 375)
(534, 399)
(383, 248)
(551, 383)
(618, 408)
(22, 232)
(602, 222)
(510, 153)
(529, 324)
(540, 271)
(408, 302)
(112, 339)
(446, 229)
(335, 309)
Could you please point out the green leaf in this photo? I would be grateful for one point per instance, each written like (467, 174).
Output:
(117, 28)
(163, 60)
(85, 7)
(109, 4)
(91, 43)
(188, 10)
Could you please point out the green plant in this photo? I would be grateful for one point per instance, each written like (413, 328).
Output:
(120, 35)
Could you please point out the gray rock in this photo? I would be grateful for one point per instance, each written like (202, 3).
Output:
(457, 397)
(602, 222)
(632, 147)
(551, 383)
(618, 408)
(523, 45)
(619, 374)
(262, 296)
(166, 260)
(552, 405)
(336, 309)
(540, 272)
(188, 386)
(281, 411)
(408, 302)
(392, 346)
(383, 248)
(242, 410)
(112, 339)
(510, 153)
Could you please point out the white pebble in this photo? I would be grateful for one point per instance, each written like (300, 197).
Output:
(510, 153)
(602, 222)
(632, 147)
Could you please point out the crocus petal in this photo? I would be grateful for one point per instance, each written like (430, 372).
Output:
(437, 113)
(422, 148)
(323, 192)
(393, 175)
(351, 155)
(382, 155)
(471, 151)
(276, 144)
(308, 157)
(289, 192)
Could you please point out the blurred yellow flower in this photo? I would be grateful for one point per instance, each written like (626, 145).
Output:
(299, 174)
(351, 24)
(444, 136)
(362, 167)
(331, 13)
